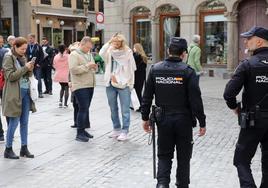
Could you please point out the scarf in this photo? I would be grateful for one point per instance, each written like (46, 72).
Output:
(121, 56)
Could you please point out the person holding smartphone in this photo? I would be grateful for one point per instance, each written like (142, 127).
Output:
(16, 100)
(82, 71)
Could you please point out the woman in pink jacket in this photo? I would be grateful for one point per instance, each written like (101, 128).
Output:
(60, 64)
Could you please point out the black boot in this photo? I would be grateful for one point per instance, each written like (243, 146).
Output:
(24, 152)
(9, 154)
(88, 134)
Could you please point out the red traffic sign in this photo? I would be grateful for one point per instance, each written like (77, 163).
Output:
(99, 17)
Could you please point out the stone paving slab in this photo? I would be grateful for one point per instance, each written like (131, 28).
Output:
(106, 163)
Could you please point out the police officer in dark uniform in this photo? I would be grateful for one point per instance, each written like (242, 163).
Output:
(175, 87)
(252, 75)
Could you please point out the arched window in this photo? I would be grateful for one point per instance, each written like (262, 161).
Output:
(141, 30)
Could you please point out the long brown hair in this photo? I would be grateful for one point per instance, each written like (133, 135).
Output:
(139, 50)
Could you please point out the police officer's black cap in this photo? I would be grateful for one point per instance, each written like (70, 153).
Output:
(256, 31)
(178, 42)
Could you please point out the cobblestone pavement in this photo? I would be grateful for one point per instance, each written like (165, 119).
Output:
(60, 161)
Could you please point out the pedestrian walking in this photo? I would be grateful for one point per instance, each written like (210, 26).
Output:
(16, 101)
(47, 65)
(82, 71)
(60, 63)
(194, 55)
(3, 51)
(35, 50)
(251, 75)
(119, 80)
(178, 98)
(140, 74)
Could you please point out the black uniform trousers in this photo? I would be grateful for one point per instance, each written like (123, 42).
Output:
(175, 130)
(246, 147)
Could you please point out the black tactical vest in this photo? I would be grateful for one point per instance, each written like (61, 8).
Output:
(256, 86)
(170, 80)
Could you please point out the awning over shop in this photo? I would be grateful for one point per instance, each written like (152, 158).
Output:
(68, 16)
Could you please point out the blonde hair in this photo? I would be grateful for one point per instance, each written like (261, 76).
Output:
(121, 38)
(139, 50)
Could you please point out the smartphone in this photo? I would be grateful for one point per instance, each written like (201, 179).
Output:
(33, 59)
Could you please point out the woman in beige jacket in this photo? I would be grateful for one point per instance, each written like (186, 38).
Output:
(16, 101)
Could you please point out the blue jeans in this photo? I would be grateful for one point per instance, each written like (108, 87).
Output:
(124, 97)
(83, 98)
(23, 120)
(38, 76)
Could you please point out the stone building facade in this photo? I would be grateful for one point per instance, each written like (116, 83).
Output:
(61, 21)
(219, 22)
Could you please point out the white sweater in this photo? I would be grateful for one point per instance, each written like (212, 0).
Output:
(124, 73)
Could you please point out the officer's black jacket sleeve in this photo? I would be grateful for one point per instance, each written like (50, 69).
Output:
(148, 95)
(234, 86)
(195, 99)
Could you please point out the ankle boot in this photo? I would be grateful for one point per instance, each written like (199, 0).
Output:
(9, 153)
(24, 152)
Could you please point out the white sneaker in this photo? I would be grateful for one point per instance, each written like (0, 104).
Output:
(122, 137)
(114, 134)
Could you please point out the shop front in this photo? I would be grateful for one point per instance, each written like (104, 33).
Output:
(60, 28)
(213, 32)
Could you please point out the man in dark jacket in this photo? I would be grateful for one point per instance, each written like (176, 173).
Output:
(47, 65)
(252, 76)
(35, 50)
(178, 98)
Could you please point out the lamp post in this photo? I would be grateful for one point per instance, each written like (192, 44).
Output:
(50, 23)
(86, 4)
(37, 21)
(62, 33)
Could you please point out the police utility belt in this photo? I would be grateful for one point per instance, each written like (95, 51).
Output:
(162, 111)
(248, 118)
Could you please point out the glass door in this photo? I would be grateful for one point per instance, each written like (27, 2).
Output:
(142, 33)
(169, 27)
(57, 37)
(215, 40)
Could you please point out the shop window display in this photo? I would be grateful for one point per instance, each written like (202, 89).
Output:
(215, 39)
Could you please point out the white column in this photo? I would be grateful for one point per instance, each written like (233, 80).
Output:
(155, 39)
(232, 41)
